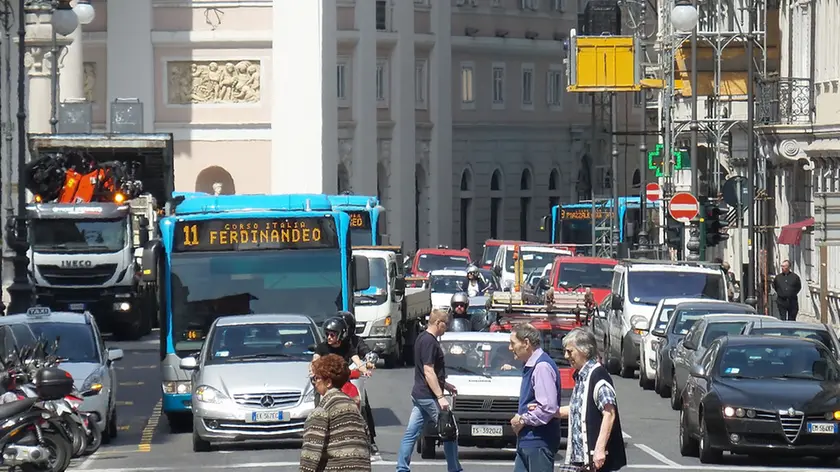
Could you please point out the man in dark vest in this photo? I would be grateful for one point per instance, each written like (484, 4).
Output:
(537, 428)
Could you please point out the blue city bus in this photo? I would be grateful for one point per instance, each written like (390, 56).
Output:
(572, 223)
(367, 218)
(241, 254)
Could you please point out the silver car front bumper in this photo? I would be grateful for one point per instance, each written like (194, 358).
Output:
(231, 421)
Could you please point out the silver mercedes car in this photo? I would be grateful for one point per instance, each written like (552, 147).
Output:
(251, 379)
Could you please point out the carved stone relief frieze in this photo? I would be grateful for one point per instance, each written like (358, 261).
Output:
(38, 61)
(209, 82)
(90, 82)
(422, 149)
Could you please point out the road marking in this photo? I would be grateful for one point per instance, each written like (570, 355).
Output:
(124, 427)
(626, 436)
(87, 462)
(657, 455)
(125, 403)
(131, 384)
(144, 367)
(149, 431)
(506, 464)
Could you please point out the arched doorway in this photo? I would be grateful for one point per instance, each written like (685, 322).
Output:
(553, 193)
(466, 208)
(524, 204)
(215, 180)
(496, 202)
(421, 201)
(343, 184)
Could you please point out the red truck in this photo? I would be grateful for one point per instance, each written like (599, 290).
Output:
(577, 274)
(427, 260)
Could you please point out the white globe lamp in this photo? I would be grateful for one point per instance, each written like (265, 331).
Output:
(84, 12)
(684, 17)
(64, 20)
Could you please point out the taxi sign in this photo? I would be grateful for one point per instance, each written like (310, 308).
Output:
(38, 311)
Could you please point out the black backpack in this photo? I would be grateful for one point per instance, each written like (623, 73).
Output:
(447, 426)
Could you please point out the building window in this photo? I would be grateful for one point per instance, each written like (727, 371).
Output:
(421, 83)
(557, 5)
(467, 85)
(382, 82)
(498, 86)
(554, 86)
(496, 3)
(528, 86)
(342, 72)
(532, 5)
(584, 99)
(381, 15)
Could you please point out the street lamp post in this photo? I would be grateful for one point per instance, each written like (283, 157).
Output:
(64, 21)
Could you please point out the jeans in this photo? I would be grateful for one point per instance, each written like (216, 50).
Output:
(424, 411)
(534, 459)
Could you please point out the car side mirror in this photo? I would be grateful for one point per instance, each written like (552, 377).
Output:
(617, 303)
(689, 345)
(544, 284)
(399, 286)
(188, 363)
(698, 371)
(115, 354)
(660, 333)
(361, 273)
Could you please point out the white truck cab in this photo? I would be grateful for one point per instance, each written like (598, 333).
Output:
(532, 257)
(637, 288)
(389, 315)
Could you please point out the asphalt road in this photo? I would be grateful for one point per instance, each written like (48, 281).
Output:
(146, 444)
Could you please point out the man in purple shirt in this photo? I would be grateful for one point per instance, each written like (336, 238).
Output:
(537, 430)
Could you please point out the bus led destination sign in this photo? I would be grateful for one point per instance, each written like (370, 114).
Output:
(359, 220)
(581, 214)
(255, 234)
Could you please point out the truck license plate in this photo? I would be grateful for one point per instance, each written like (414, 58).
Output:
(77, 306)
(266, 417)
(484, 430)
(822, 428)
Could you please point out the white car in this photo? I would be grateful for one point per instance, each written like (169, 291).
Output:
(444, 283)
(85, 357)
(659, 318)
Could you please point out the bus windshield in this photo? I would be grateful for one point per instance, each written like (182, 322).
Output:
(211, 284)
(361, 237)
(574, 231)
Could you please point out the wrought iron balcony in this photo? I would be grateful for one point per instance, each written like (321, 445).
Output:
(784, 101)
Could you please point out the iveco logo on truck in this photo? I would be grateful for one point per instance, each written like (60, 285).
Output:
(76, 264)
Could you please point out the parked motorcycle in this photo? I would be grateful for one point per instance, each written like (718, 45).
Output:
(32, 437)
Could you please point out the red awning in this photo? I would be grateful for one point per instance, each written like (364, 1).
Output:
(791, 234)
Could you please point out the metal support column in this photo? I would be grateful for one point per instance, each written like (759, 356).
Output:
(750, 284)
(643, 164)
(616, 231)
(694, 241)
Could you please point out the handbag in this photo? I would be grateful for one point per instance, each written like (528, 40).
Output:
(447, 426)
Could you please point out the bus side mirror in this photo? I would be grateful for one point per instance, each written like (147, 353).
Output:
(543, 223)
(151, 255)
(361, 273)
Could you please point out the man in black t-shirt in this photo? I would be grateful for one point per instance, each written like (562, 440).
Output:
(428, 392)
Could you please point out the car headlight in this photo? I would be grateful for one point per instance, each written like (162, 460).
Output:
(91, 380)
(207, 394)
(381, 327)
(738, 412)
(639, 324)
(179, 387)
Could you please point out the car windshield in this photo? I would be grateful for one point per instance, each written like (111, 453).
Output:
(648, 287)
(533, 259)
(820, 335)
(208, 285)
(661, 321)
(489, 254)
(798, 361)
(448, 283)
(261, 342)
(588, 275)
(719, 330)
(78, 236)
(430, 262)
(479, 358)
(378, 273)
(685, 318)
(77, 343)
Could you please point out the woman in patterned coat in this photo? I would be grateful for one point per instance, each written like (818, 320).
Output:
(334, 436)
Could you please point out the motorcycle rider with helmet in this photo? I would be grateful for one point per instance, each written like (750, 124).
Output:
(475, 284)
(458, 306)
(342, 341)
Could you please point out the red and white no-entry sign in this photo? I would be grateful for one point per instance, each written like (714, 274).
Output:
(653, 192)
(684, 207)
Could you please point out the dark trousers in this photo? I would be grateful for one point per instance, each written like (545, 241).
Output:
(534, 459)
(788, 308)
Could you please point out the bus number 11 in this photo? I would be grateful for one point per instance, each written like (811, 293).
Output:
(191, 235)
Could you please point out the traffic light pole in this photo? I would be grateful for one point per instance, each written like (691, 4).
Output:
(695, 244)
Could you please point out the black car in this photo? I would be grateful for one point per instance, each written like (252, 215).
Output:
(800, 329)
(760, 394)
(682, 319)
(691, 349)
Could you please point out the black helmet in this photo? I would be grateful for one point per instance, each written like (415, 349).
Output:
(349, 320)
(336, 325)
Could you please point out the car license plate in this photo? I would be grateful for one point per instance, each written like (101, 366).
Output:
(483, 430)
(77, 306)
(822, 428)
(266, 417)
